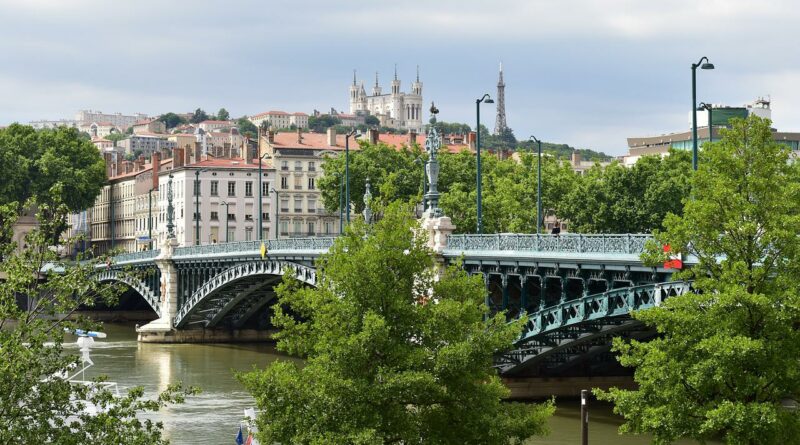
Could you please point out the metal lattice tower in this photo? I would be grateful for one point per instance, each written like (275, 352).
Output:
(500, 123)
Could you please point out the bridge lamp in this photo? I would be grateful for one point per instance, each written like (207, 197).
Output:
(487, 100)
(538, 184)
(197, 206)
(277, 208)
(708, 107)
(703, 64)
(226, 219)
(260, 198)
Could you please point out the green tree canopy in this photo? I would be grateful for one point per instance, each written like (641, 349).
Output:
(116, 137)
(223, 114)
(199, 116)
(393, 355)
(246, 127)
(726, 357)
(372, 121)
(322, 122)
(37, 403)
(49, 166)
(171, 120)
(619, 199)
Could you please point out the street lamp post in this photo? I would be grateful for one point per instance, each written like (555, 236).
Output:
(538, 185)
(226, 219)
(341, 204)
(488, 100)
(277, 209)
(260, 199)
(703, 66)
(150, 218)
(708, 107)
(197, 206)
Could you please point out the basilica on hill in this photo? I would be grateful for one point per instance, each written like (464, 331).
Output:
(402, 111)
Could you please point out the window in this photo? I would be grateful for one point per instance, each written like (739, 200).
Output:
(284, 205)
(284, 228)
(194, 216)
(328, 227)
(285, 165)
(248, 188)
(312, 206)
(298, 166)
(231, 188)
(214, 216)
(312, 167)
(265, 216)
(248, 234)
(311, 229)
(214, 188)
(311, 183)
(284, 182)
(196, 188)
(231, 235)
(298, 183)
(265, 189)
(248, 217)
(297, 227)
(298, 205)
(231, 217)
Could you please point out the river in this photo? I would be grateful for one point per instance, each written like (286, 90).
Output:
(212, 417)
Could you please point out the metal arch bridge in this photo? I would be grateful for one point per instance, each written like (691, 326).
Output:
(577, 290)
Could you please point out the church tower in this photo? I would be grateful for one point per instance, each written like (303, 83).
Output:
(416, 86)
(353, 94)
(376, 90)
(395, 83)
(500, 123)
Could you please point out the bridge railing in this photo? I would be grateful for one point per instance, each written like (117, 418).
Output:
(313, 243)
(568, 243)
(137, 256)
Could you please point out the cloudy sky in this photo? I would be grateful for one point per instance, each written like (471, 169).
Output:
(584, 72)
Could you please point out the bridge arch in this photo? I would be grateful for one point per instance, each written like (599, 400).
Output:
(238, 292)
(150, 294)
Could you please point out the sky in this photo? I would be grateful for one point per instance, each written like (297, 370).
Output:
(588, 73)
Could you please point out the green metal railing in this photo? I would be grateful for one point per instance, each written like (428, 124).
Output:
(567, 243)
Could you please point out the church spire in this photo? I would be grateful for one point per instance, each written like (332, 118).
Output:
(395, 71)
(417, 73)
(354, 77)
(500, 123)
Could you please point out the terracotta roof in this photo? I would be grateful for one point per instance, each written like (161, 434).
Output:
(270, 113)
(214, 122)
(229, 163)
(300, 114)
(319, 141)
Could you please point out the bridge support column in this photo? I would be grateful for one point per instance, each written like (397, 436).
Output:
(169, 293)
(438, 229)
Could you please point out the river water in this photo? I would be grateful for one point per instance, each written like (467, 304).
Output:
(212, 417)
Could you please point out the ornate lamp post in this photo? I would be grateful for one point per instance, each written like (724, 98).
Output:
(170, 210)
(708, 107)
(487, 100)
(538, 185)
(432, 143)
(703, 66)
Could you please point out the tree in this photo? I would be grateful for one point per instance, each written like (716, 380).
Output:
(48, 166)
(393, 355)
(171, 120)
(199, 116)
(619, 199)
(322, 122)
(246, 127)
(726, 356)
(372, 121)
(223, 114)
(37, 403)
(116, 137)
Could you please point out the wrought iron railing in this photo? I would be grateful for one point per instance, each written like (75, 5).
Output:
(568, 243)
(312, 243)
(136, 256)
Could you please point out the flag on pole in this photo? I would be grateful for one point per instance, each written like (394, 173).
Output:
(249, 439)
(239, 438)
(674, 261)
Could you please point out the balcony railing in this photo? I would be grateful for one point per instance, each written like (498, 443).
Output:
(571, 243)
(250, 247)
(136, 256)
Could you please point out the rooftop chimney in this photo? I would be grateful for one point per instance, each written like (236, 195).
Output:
(187, 155)
(299, 135)
(177, 157)
(109, 158)
(271, 136)
(332, 136)
(412, 137)
(471, 137)
(373, 136)
(156, 161)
